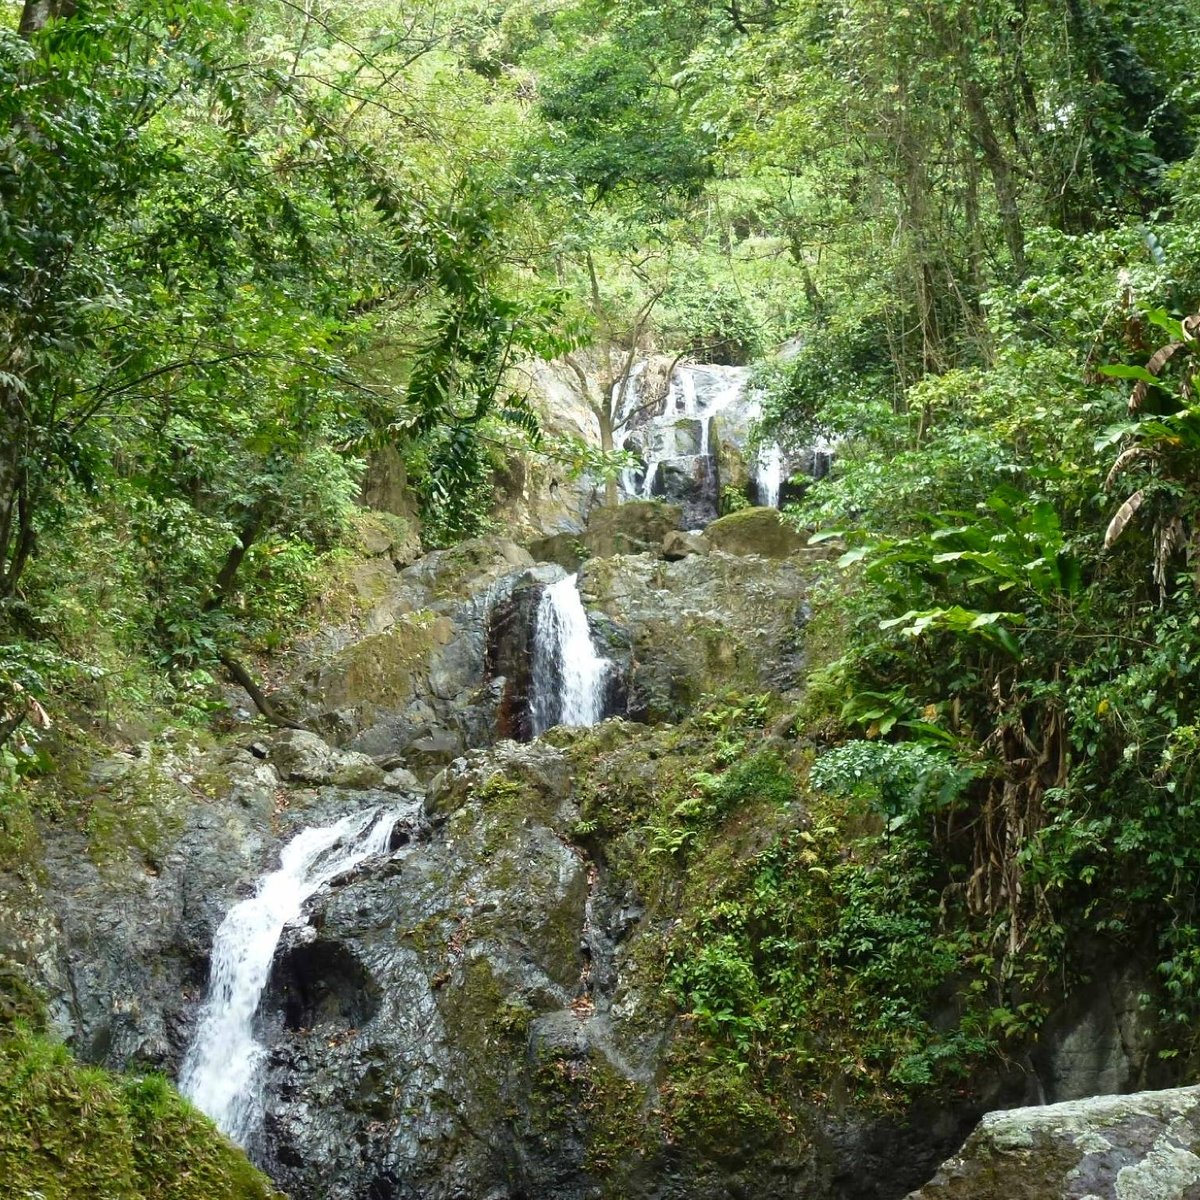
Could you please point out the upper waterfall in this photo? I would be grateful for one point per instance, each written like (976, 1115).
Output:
(678, 437)
(568, 676)
(221, 1074)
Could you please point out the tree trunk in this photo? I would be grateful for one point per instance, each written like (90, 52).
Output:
(16, 507)
(37, 14)
(604, 415)
(998, 167)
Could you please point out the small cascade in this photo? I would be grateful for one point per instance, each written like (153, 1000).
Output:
(568, 676)
(221, 1074)
(675, 445)
(768, 474)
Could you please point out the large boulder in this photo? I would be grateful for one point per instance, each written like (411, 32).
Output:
(760, 531)
(680, 544)
(1144, 1146)
(681, 630)
(409, 680)
(632, 528)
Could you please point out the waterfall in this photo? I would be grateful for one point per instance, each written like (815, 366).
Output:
(568, 676)
(768, 473)
(221, 1074)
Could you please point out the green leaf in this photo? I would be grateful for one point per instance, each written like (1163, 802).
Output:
(1123, 371)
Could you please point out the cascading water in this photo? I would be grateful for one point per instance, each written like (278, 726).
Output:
(221, 1074)
(568, 676)
(768, 474)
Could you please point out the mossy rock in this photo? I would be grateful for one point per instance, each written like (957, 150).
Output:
(383, 534)
(384, 670)
(760, 531)
(1139, 1147)
(634, 528)
(566, 549)
(69, 1132)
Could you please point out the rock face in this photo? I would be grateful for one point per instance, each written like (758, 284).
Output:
(760, 531)
(409, 683)
(691, 627)
(535, 496)
(1144, 1146)
(116, 931)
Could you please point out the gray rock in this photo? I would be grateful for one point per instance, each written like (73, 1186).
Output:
(1144, 1146)
(679, 544)
(1098, 1043)
(401, 780)
(302, 757)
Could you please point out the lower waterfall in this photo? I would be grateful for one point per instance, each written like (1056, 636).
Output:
(221, 1074)
(568, 676)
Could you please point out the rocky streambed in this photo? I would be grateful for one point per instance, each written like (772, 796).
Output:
(491, 1004)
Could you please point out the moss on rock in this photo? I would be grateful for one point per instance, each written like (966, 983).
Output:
(759, 531)
(69, 1132)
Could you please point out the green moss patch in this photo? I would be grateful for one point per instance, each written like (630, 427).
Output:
(68, 1131)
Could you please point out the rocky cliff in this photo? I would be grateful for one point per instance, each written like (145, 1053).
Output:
(605, 963)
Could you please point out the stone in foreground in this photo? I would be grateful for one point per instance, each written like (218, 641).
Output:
(1139, 1147)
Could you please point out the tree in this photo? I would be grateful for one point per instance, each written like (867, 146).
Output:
(193, 253)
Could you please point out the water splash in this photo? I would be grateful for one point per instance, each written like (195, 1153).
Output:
(568, 676)
(222, 1073)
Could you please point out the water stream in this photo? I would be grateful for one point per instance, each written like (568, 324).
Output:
(568, 676)
(222, 1073)
(679, 438)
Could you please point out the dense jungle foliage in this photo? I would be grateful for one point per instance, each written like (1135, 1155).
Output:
(243, 246)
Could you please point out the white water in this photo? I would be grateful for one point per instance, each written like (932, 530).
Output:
(568, 675)
(699, 393)
(221, 1074)
(768, 472)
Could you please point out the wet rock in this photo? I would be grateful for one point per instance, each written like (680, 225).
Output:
(117, 929)
(1144, 1146)
(509, 660)
(690, 483)
(760, 531)
(679, 544)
